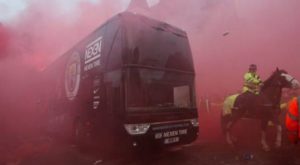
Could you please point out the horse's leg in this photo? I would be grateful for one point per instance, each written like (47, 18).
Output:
(278, 141)
(228, 134)
(264, 143)
(226, 124)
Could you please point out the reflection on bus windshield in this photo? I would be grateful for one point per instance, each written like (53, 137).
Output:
(158, 89)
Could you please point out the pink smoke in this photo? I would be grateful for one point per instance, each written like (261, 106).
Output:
(225, 35)
(261, 32)
(44, 31)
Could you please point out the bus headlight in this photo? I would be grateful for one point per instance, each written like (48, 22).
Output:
(137, 129)
(195, 122)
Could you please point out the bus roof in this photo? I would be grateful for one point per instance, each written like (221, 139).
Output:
(134, 40)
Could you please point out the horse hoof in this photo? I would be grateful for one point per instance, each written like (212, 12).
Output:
(231, 146)
(277, 146)
(234, 139)
(266, 148)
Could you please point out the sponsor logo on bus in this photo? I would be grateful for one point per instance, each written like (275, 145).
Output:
(93, 54)
(72, 76)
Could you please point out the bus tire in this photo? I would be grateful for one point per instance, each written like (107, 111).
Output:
(82, 136)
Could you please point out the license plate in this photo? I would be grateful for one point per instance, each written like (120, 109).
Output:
(170, 134)
(171, 140)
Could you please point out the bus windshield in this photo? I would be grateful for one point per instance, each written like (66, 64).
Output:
(149, 89)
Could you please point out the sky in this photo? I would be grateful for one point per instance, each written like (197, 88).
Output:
(11, 9)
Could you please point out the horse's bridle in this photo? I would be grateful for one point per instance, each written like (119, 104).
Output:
(291, 80)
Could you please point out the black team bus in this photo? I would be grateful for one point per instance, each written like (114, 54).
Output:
(129, 83)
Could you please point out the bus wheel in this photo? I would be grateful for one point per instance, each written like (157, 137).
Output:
(82, 136)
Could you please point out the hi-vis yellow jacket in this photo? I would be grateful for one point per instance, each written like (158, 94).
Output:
(252, 83)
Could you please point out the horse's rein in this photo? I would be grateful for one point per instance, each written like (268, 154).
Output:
(292, 80)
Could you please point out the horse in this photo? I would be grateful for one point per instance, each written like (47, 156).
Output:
(265, 107)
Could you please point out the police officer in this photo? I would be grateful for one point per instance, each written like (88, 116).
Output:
(251, 87)
(252, 81)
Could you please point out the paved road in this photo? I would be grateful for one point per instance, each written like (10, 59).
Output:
(198, 153)
(209, 149)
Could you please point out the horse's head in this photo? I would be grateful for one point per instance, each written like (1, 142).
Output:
(285, 80)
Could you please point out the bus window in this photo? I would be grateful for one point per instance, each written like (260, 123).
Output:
(113, 91)
(182, 96)
(153, 89)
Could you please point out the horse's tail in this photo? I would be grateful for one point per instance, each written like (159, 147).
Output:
(226, 112)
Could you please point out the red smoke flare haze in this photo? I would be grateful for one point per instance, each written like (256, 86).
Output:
(225, 36)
